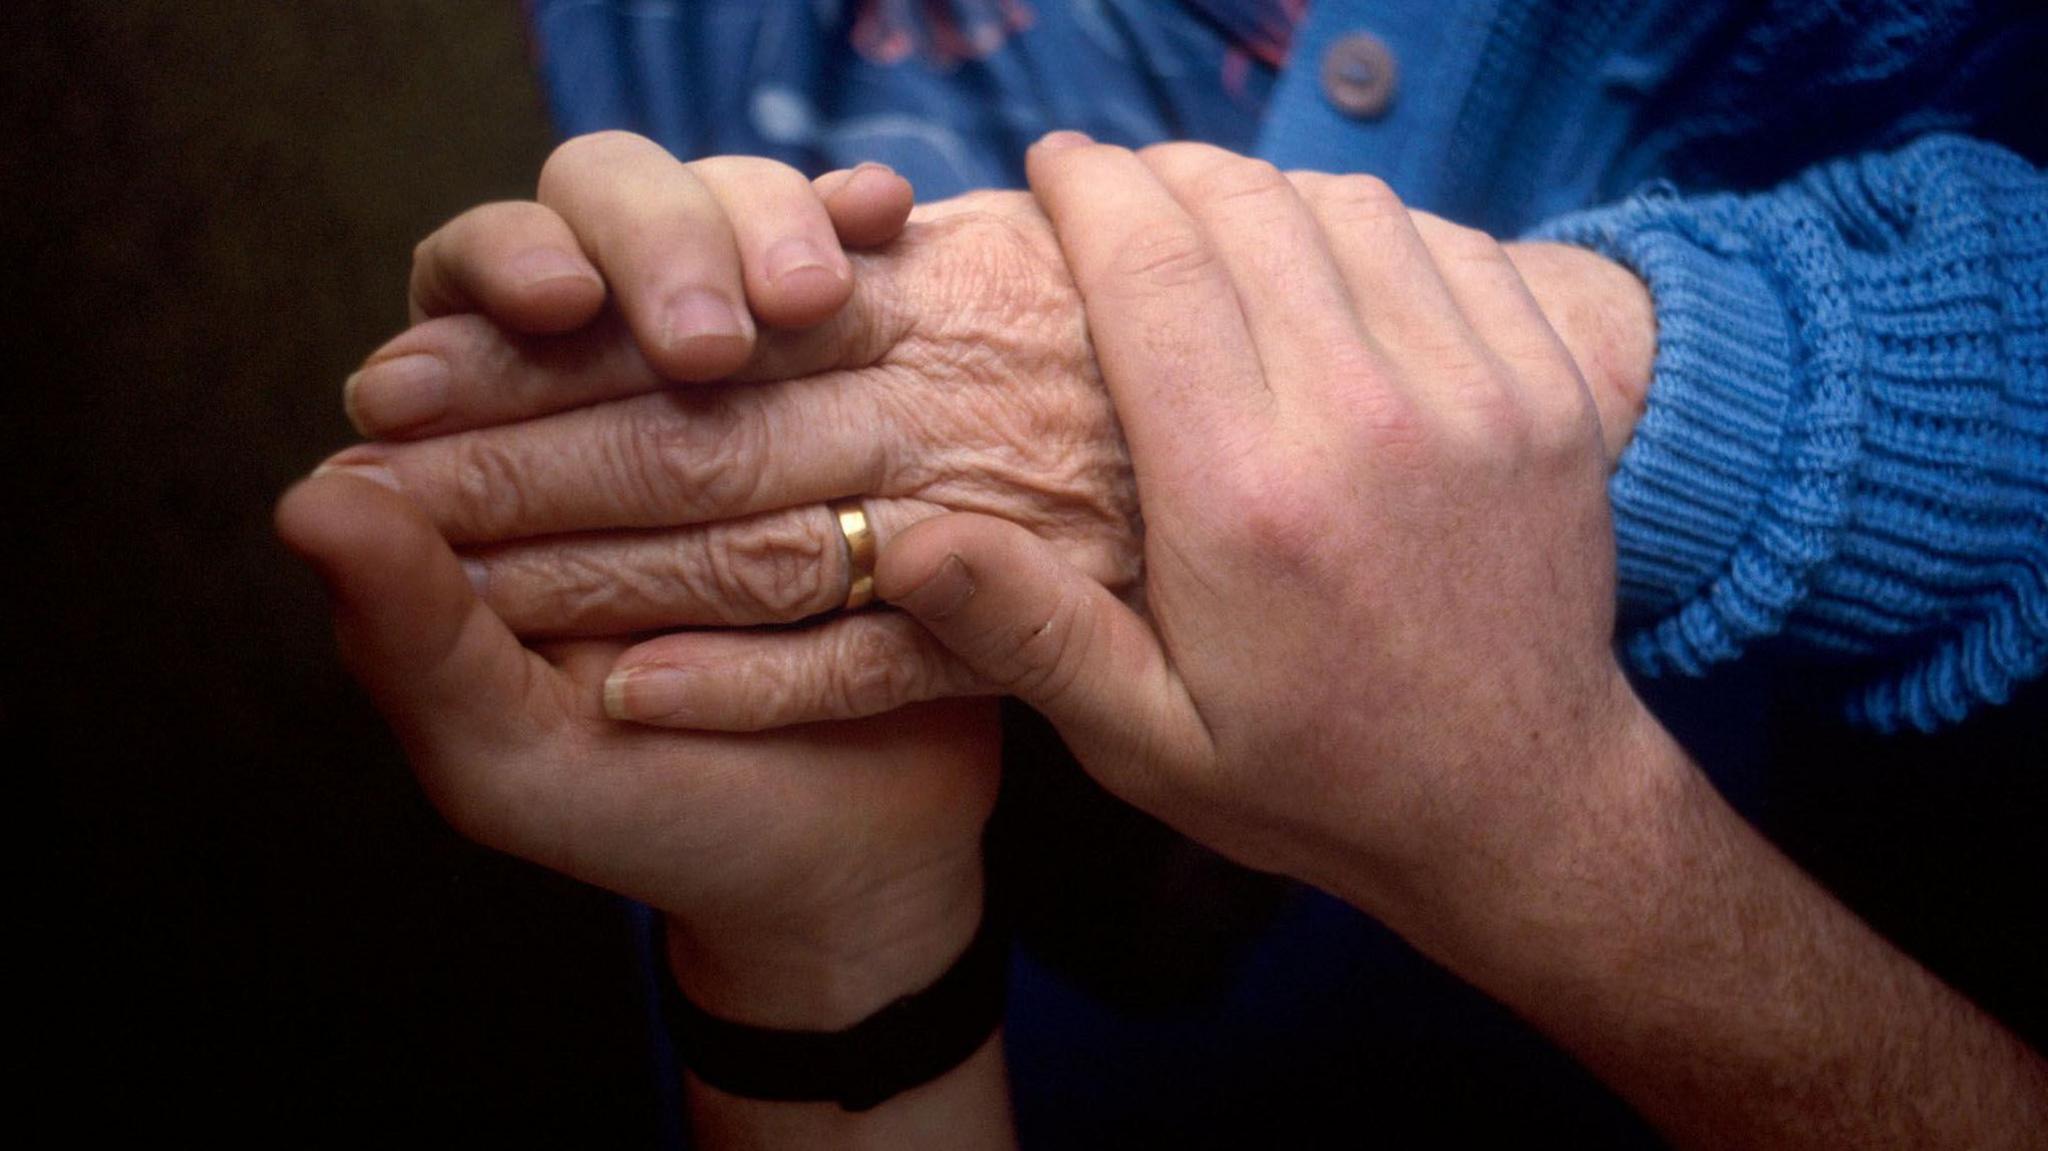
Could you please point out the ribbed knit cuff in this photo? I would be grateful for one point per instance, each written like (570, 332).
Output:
(1704, 568)
(1844, 442)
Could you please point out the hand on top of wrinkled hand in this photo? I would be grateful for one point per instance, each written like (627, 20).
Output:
(957, 377)
(1379, 578)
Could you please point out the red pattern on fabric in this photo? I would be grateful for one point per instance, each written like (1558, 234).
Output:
(944, 33)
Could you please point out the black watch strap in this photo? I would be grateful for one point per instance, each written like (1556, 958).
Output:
(909, 1042)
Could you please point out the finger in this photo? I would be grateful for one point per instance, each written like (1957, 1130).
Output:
(1401, 301)
(460, 372)
(1162, 312)
(662, 460)
(1489, 291)
(1293, 297)
(790, 260)
(664, 245)
(778, 567)
(868, 203)
(854, 666)
(444, 671)
(1026, 623)
(463, 372)
(516, 262)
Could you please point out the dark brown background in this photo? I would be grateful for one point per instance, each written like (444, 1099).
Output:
(253, 929)
(259, 932)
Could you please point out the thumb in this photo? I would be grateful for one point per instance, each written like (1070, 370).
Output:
(442, 668)
(1027, 622)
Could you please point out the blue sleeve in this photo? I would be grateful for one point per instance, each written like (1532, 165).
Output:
(1846, 442)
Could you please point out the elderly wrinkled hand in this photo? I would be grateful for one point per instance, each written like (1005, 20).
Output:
(959, 377)
(809, 874)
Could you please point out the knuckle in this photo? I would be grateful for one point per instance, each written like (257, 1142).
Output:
(425, 282)
(701, 454)
(1286, 523)
(1389, 422)
(1492, 426)
(1165, 258)
(871, 673)
(774, 569)
(765, 692)
(749, 170)
(490, 489)
(571, 590)
(580, 153)
(423, 254)
(1044, 659)
(1564, 421)
(1235, 182)
(1180, 153)
(1356, 198)
(1308, 183)
(1457, 246)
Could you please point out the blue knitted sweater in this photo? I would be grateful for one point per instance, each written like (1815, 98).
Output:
(1835, 205)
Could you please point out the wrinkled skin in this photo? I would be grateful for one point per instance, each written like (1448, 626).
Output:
(960, 378)
(809, 874)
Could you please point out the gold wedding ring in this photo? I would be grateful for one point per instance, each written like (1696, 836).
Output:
(860, 552)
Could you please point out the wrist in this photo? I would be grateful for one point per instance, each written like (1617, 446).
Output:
(1582, 875)
(832, 969)
(1577, 817)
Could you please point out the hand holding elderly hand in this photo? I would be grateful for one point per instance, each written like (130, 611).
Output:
(1376, 595)
(1375, 656)
(958, 377)
(1379, 573)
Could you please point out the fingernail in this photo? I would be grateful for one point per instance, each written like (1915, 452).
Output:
(649, 694)
(946, 592)
(877, 167)
(1064, 139)
(539, 265)
(794, 256)
(396, 394)
(701, 312)
(375, 473)
(479, 575)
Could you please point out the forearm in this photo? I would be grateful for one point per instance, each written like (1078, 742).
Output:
(1725, 994)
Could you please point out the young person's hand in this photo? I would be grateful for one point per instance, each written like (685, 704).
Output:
(1379, 574)
(958, 376)
(1375, 656)
(694, 258)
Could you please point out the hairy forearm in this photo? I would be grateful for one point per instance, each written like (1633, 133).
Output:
(1729, 997)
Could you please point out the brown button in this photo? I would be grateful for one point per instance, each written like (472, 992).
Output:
(1358, 76)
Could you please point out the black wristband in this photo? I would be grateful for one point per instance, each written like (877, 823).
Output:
(909, 1042)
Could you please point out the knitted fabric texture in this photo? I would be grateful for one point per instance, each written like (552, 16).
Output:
(1847, 439)
(1843, 441)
